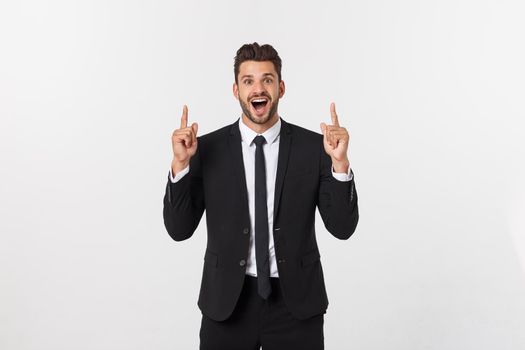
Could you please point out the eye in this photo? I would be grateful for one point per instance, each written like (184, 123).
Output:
(268, 80)
(247, 82)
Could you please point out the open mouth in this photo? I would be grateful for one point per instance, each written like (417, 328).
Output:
(259, 104)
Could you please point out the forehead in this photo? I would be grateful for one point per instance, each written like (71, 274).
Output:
(255, 68)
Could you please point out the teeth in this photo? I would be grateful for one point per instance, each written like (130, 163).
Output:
(259, 100)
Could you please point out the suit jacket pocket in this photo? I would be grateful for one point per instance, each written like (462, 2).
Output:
(211, 258)
(298, 172)
(310, 258)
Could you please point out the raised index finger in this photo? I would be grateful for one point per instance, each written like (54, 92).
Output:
(184, 119)
(335, 121)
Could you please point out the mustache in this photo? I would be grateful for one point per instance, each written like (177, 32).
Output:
(260, 95)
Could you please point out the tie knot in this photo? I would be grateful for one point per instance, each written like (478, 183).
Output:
(259, 140)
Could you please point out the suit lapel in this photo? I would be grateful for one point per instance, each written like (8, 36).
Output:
(234, 140)
(285, 141)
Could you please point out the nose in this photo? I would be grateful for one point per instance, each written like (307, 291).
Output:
(258, 87)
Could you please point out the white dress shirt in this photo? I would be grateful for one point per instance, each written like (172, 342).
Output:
(271, 152)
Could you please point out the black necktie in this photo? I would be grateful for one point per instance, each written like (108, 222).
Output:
(261, 222)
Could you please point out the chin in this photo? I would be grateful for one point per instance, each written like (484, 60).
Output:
(260, 120)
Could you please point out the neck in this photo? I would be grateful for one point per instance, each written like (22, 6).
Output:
(260, 128)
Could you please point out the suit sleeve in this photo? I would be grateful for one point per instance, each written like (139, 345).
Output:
(337, 200)
(343, 176)
(184, 202)
(179, 175)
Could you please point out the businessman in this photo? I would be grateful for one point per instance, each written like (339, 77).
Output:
(260, 181)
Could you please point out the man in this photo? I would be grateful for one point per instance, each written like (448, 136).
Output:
(260, 180)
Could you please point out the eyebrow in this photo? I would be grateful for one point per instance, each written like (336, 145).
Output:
(251, 76)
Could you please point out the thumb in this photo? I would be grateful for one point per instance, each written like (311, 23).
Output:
(325, 138)
(323, 128)
(195, 127)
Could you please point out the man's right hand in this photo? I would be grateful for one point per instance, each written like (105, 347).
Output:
(184, 143)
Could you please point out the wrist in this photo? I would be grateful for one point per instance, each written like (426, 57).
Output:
(341, 166)
(177, 166)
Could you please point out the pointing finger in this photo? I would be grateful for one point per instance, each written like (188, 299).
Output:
(184, 119)
(335, 121)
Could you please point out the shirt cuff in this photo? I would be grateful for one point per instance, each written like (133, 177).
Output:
(343, 176)
(179, 175)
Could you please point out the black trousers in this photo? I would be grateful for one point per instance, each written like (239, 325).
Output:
(256, 322)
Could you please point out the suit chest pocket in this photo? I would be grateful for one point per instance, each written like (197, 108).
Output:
(296, 173)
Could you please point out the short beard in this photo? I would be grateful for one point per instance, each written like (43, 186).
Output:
(246, 110)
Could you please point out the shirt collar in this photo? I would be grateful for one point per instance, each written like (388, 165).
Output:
(247, 134)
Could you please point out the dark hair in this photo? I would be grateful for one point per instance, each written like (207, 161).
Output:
(256, 52)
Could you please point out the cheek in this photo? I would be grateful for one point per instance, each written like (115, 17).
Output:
(240, 93)
(243, 98)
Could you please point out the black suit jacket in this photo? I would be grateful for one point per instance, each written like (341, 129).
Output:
(216, 183)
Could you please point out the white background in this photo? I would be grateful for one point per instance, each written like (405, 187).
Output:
(431, 91)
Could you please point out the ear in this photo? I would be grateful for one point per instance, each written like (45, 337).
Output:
(235, 90)
(281, 88)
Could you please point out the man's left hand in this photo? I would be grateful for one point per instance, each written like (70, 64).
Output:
(335, 139)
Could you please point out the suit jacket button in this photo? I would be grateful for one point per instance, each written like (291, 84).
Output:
(280, 261)
(246, 230)
(242, 262)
